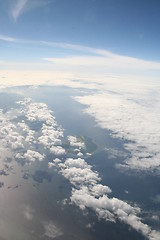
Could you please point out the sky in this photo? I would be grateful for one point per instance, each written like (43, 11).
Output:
(123, 27)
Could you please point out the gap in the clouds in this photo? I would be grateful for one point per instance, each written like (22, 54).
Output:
(8, 101)
(120, 233)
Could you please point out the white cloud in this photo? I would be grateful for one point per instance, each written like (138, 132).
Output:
(131, 113)
(78, 172)
(154, 235)
(51, 164)
(91, 57)
(102, 60)
(35, 111)
(31, 156)
(9, 136)
(87, 192)
(95, 57)
(18, 8)
(38, 112)
(7, 39)
(30, 138)
(21, 6)
(121, 62)
(76, 142)
(79, 154)
(56, 160)
(50, 135)
(51, 230)
(57, 150)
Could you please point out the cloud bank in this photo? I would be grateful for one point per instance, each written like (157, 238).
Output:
(131, 112)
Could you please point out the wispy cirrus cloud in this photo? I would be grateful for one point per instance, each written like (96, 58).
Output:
(85, 56)
(21, 6)
(18, 9)
(7, 39)
(111, 61)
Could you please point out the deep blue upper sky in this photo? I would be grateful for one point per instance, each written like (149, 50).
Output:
(128, 27)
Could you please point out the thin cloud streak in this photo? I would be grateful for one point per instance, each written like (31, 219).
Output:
(18, 9)
(99, 57)
(22, 6)
(109, 61)
(7, 39)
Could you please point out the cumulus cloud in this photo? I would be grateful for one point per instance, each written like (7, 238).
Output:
(75, 142)
(53, 164)
(21, 140)
(57, 150)
(10, 138)
(39, 112)
(79, 154)
(30, 137)
(50, 135)
(31, 156)
(18, 138)
(56, 160)
(78, 172)
(88, 192)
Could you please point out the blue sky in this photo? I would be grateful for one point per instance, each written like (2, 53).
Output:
(38, 30)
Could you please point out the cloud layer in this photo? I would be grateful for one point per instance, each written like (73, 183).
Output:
(132, 113)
